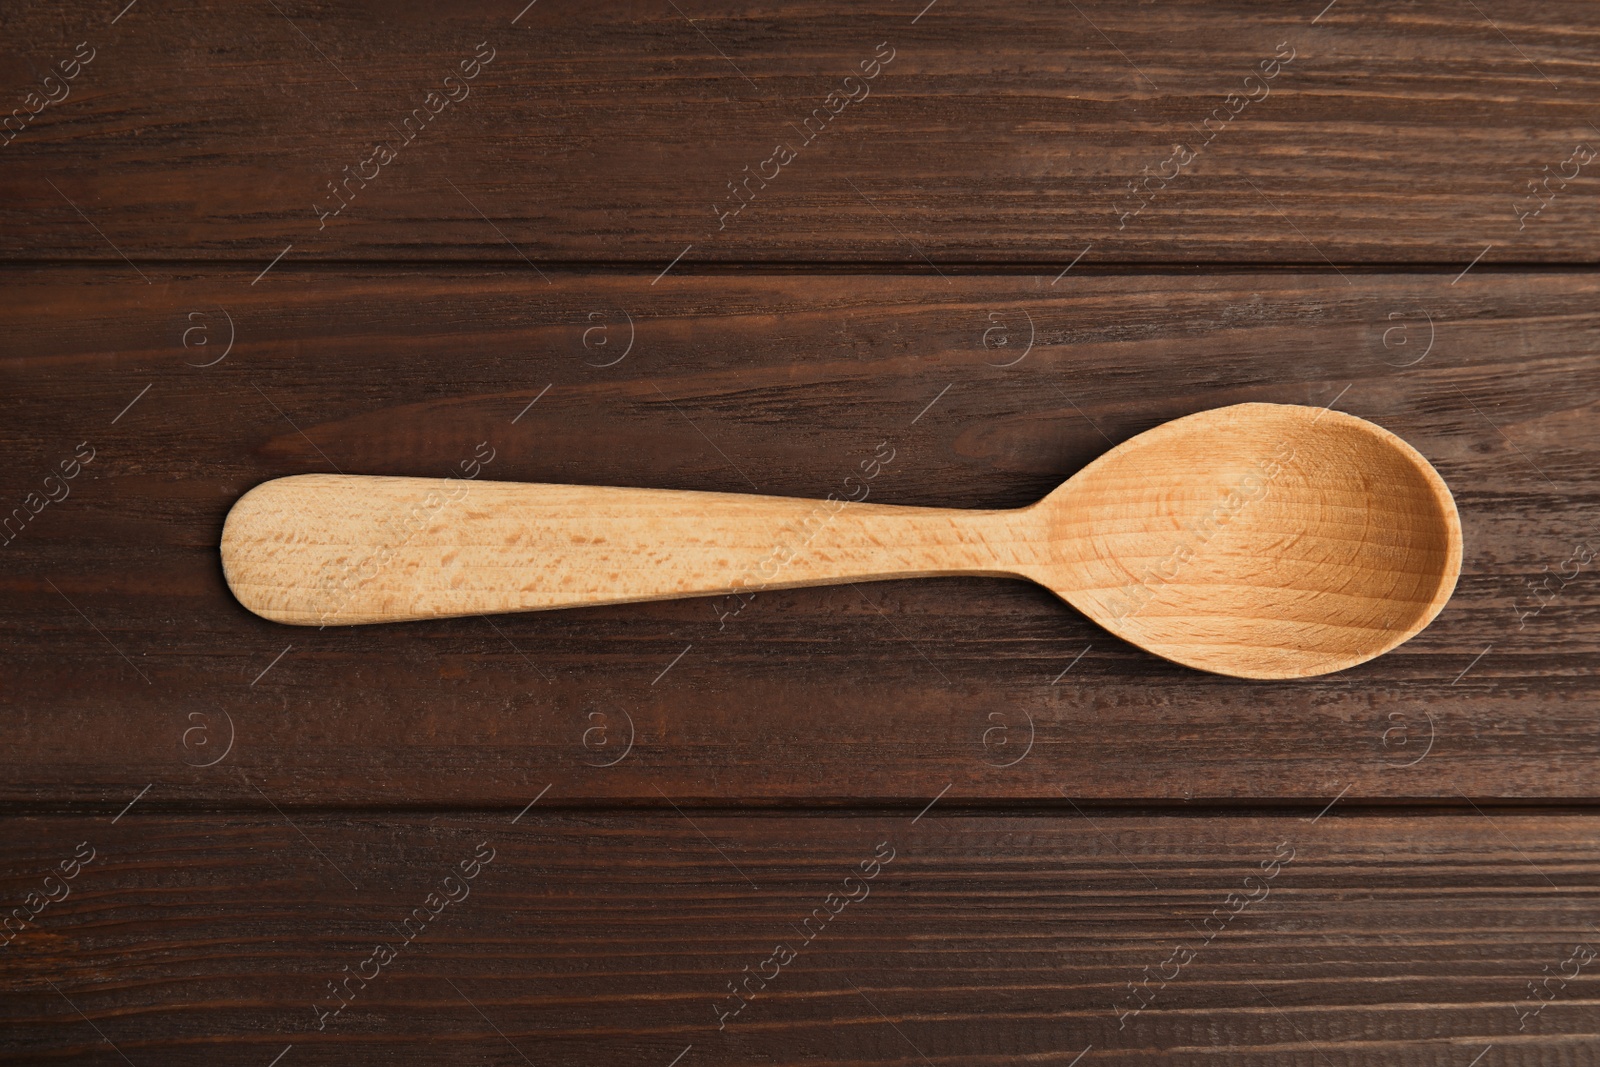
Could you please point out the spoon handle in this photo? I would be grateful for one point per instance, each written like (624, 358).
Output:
(322, 549)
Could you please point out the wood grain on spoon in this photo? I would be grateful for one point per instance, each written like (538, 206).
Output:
(1259, 540)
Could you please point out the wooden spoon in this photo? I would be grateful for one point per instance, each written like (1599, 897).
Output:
(1259, 540)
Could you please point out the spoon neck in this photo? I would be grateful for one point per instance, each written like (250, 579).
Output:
(891, 541)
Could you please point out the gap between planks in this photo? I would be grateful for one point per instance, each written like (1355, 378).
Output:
(960, 268)
(949, 807)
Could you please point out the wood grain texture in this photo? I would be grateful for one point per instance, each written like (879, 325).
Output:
(1348, 939)
(123, 638)
(1029, 132)
(641, 244)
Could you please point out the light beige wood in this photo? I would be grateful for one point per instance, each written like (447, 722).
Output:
(1259, 540)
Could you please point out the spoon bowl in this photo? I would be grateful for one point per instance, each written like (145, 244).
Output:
(1259, 540)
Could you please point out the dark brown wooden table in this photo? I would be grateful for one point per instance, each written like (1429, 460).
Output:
(735, 247)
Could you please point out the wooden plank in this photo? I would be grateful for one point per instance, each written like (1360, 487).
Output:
(1004, 133)
(131, 663)
(980, 939)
